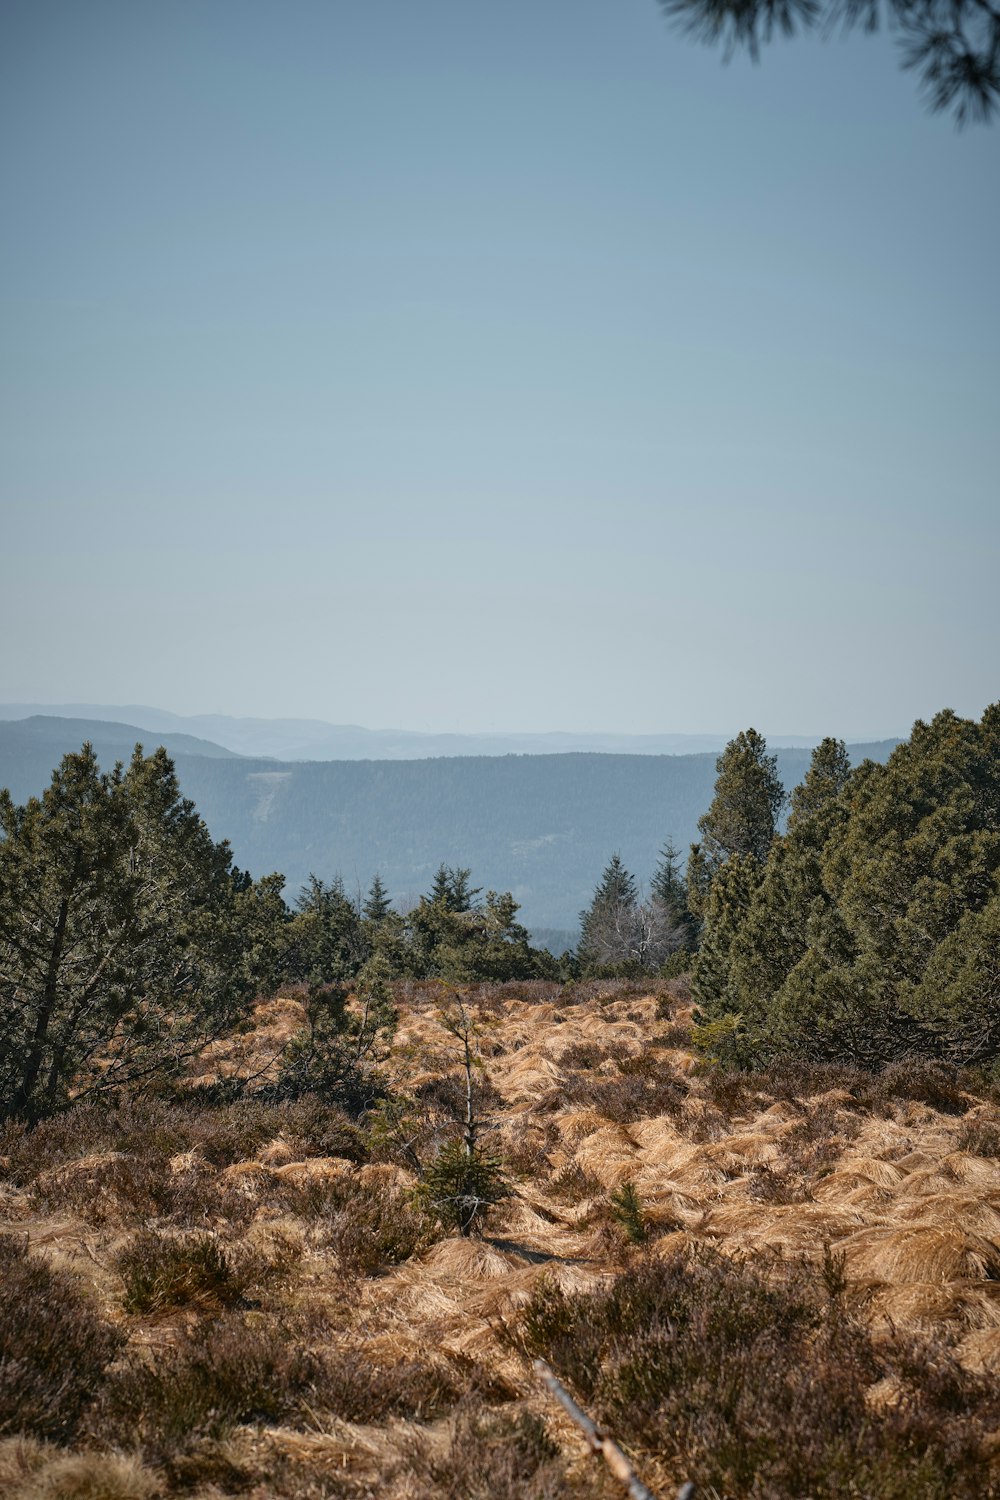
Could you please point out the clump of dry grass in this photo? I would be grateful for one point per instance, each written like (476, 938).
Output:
(40, 1471)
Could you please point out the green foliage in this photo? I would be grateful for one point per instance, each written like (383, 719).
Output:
(460, 1186)
(336, 1057)
(455, 937)
(958, 996)
(872, 932)
(124, 942)
(729, 901)
(626, 1210)
(748, 801)
(377, 905)
(327, 941)
(669, 888)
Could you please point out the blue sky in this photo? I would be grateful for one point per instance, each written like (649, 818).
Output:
(447, 365)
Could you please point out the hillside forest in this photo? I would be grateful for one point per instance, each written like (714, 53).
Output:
(295, 1186)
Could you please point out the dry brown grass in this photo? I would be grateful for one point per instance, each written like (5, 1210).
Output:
(356, 1352)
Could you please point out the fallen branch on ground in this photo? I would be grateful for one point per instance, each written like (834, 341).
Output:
(599, 1443)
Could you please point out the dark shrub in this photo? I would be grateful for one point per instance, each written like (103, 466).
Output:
(632, 1096)
(495, 1456)
(368, 1226)
(353, 1387)
(54, 1348)
(106, 1189)
(980, 1138)
(226, 1371)
(443, 1097)
(936, 1084)
(162, 1271)
(573, 1185)
(758, 1387)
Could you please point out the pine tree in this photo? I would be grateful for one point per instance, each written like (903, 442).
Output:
(669, 890)
(327, 942)
(748, 802)
(791, 912)
(378, 904)
(123, 941)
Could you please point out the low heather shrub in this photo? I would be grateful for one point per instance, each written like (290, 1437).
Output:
(980, 1138)
(495, 1456)
(54, 1347)
(229, 1370)
(755, 1385)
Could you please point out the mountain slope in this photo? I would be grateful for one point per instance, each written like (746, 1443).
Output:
(313, 739)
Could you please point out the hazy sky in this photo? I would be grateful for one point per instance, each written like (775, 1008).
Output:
(459, 365)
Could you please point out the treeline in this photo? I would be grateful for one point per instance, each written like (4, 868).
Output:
(129, 940)
(864, 929)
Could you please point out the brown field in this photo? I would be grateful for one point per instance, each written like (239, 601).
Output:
(287, 1323)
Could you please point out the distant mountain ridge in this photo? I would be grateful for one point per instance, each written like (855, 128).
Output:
(542, 826)
(42, 734)
(314, 739)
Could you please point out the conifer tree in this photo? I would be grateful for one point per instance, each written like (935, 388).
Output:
(668, 889)
(791, 911)
(615, 898)
(743, 816)
(123, 939)
(327, 944)
(378, 904)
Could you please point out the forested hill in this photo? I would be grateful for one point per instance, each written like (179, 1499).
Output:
(31, 747)
(541, 826)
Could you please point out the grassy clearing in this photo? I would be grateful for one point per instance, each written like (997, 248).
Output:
(777, 1284)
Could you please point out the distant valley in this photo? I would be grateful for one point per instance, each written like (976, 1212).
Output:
(540, 825)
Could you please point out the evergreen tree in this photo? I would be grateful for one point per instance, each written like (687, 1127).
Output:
(958, 997)
(608, 914)
(922, 845)
(729, 902)
(123, 939)
(817, 794)
(743, 816)
(483, 942)
(668, 889)
(453, 890)
(377, 903)
(791, 913)
(872, 932)
(327, 942)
